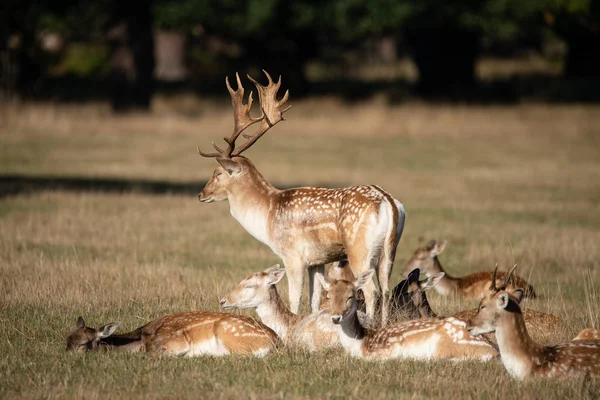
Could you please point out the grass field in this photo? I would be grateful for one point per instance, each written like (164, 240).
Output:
(501, 184)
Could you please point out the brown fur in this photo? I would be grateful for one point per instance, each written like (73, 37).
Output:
(306, 227)
(588, 334)
(471, 286)
(421, 339)
(522, 356)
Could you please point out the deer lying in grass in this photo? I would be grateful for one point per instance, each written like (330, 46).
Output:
(542, 326)
(522, 357)
(312, 332)
(188, 334)
(408, 300)
(588, 334)
(305, 227)
(470, 286)
(421, 339)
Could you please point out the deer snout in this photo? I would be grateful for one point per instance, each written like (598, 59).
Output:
(223, 303)
(336, 319)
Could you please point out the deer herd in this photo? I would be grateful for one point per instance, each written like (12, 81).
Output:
(356, 230)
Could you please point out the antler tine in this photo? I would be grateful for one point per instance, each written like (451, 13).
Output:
(271, 108)
(508, 276)
(493, 284)
(241, 116)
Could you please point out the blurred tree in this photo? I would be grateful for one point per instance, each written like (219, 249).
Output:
(578, 22)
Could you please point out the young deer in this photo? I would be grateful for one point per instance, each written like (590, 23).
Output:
(305, 227)
(313, 332)
(587, 334)
(421, 339)
(522, 357)
(539, 324)
(188, 334)
(470, 286)
(85, 338)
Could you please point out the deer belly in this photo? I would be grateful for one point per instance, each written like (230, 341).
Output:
(209, 346)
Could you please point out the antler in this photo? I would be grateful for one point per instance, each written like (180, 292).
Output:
(506, 279)
(270, 109)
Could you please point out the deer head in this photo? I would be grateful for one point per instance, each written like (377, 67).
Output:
(84, 338)
(253, 290)
(424, 258)
(342, 295)
(232, 166)
(491, 310)
(410, 294)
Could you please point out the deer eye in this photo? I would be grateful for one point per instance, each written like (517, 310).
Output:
(218, 173)
(481, 308)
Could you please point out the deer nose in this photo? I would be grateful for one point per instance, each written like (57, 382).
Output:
(336, 319)
(223, 302)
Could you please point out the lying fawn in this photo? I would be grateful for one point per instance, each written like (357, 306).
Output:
(587, 334)
(470, 286)
(408, 299)
(313, 332)
(421, 339)
(499, 312)
(85, 338)
(306, 227)
(188, 334)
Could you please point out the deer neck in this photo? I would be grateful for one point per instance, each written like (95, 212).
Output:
(276, 315)
(448, 284)
(519, 353)
(425, 310)
(352, 335)
(250, 202)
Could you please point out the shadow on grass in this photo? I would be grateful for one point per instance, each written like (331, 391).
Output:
(12, 185)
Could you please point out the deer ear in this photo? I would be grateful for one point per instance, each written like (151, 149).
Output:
(272, 268)
(232, 167)
(107, 330)
(325, 284)
(276, 274)
(413, 276)
(438, 248)
(502, 300)
(432, 280)
(80, 323)
(364, 279)
(519, 294)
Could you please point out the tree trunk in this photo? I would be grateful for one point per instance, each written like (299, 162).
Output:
(132, 59)
(445, 60)
(170, 53)
(583, 57)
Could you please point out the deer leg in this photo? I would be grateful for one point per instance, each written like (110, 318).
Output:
(314, 287)
(295, 276)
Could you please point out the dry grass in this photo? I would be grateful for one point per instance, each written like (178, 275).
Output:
(502, 184)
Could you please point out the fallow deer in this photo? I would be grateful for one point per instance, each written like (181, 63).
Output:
(312, 332)
(187, 334)
(85, 338)
(587, 334)
(470, 286)
(421, 339)
(306, 227)
(499, 312)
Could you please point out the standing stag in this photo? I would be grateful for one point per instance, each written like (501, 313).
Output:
(306, 227)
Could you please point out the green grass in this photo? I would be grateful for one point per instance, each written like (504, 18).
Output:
(501, 184)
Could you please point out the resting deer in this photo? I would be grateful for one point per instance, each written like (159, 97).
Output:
(85, 338)
(188, 334)
(313, 332)
(499, 312)
(470, 286)
(306, 227)
(421, 339)
(539, 324)
(587, 334)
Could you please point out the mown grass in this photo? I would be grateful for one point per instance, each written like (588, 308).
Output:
(502, 184)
